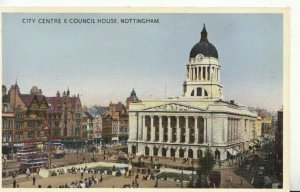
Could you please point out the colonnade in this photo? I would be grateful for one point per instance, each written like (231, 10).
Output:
(174, 129)
(202, 73)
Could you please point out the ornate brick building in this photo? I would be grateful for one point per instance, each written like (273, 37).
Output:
(64, 117)
(30, 115)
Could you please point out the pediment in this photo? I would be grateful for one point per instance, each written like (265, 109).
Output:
(174, 107)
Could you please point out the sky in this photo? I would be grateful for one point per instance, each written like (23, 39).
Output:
(104, 62)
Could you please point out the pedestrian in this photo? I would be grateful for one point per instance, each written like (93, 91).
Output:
(241, 180)
(27, 173)
(230, 181)
(33, 180)
(14, 183)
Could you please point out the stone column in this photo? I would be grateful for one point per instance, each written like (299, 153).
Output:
(140, 128)
(168, 152)
(190, 72)
(152, 137)
(169, 130)
(234, 129)
(177, 130)
(144, 128)
(161, 130)
(205, 131)
(150, 150)
(187, 130)
(237, 129)
(207, 122)
(196, 131)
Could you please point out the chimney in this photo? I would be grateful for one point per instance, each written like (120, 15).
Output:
(232, 102)
(57, 94)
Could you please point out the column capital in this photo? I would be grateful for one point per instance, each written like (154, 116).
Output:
(196, 117)
(186, 117)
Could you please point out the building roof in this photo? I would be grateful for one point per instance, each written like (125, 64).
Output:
(116, 106)
(27, 98)
(133, 96)
(88, 115)
(204, 47)
(55, 104)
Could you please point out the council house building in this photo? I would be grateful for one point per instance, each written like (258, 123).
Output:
(185, 126)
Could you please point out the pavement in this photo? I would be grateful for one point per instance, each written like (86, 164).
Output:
(228, 178)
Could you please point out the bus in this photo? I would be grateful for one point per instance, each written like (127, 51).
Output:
(25, 151)
(32, 165)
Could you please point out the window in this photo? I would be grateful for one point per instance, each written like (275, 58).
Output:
(192, 94)
(199, 92)
(30, 134)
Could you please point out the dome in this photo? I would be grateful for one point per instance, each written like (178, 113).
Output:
(204, 47)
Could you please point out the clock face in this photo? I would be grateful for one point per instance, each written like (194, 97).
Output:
(199, 57)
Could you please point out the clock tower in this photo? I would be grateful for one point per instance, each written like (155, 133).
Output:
(203, 71)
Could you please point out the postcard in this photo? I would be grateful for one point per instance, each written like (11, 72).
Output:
(145, 98)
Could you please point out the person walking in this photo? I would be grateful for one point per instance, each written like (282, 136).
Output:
(241, 180)
(14, 183)
(33, 180)
(27, 173)
(230, 181)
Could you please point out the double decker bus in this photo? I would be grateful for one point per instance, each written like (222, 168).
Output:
(33, 165)
(24, 152)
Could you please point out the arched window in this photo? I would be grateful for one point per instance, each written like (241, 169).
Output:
(199, 153)
(181, 153)
(155, 151)
(146, 150)
(164, 152)
(173, 151)
(192, 94)
(190, 153)
(199, 92)
(133, 149)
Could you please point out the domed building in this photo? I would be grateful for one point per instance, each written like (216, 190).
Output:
(185, 126)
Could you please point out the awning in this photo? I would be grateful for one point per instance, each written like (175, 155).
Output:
(232, 151)
(114, 138)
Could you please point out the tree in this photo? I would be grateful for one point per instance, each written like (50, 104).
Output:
(204, 169)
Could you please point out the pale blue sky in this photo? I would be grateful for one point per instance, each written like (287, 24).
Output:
(103, 62)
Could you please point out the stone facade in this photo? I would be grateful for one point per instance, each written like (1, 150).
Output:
(201, 118)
